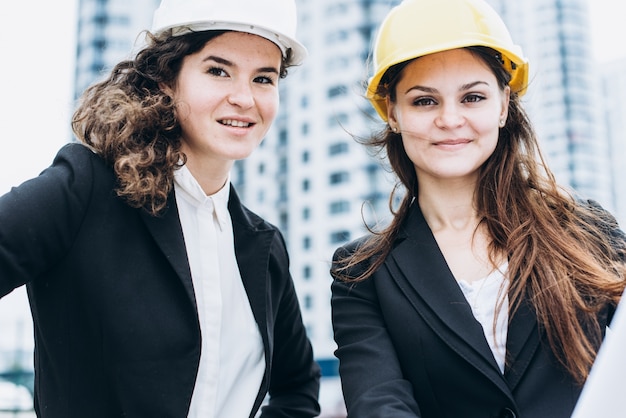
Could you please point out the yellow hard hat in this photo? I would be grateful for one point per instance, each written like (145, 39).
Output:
(416, 28)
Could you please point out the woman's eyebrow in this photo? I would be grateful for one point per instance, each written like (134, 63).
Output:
(228, 63)
(463, 87)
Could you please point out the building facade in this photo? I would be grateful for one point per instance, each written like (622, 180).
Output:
(563, 91)
(107, 32)
(613, 91)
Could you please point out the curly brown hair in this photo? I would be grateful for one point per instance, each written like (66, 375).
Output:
(129, 121)
(563, 254)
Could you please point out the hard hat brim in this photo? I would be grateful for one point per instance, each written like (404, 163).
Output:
(284, 42)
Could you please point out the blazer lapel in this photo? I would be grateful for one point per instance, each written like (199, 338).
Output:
(420, 270)
(168, 234)
(252, 249)
(522, 342)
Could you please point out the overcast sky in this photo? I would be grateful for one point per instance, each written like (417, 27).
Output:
(37, 47)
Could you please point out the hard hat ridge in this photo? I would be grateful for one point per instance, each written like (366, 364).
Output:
(275, 20)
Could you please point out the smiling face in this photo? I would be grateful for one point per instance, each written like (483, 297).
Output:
(226, 98)
(448, 108)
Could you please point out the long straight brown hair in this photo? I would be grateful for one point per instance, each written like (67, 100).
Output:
(566, 257)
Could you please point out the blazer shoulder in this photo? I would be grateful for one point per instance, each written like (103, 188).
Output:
(351, 247)
(344, 265)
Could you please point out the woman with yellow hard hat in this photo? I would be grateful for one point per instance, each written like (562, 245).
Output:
(154, 291)
(489, 292)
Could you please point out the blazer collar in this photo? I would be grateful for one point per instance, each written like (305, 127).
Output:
(253, 239)
(523, 340)
(168, 235)
(420, 270)
(253, 242)
(252, 236)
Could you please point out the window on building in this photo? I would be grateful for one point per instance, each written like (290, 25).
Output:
(306, 242)
(339, 119)
(340, 206)
(282, 137)
(306, 213)
(339, 237)
(308, 302)
(338, 148)
(339, 177)
(337, 91)
(307, 272)
(282, 165)
(283, 220)
(306, 185)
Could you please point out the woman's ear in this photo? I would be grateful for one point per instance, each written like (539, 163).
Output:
(391, 116)
(506, 98)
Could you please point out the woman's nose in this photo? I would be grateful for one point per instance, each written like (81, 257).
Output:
(241, 95)
(450, 116)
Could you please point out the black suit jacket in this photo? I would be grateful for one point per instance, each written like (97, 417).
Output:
(116, 326)
(409, 345)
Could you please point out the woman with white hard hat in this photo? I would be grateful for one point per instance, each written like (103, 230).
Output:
(489, 292)
(154, 291)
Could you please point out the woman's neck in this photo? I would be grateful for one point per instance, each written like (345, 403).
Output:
(449, 207)
(211, 176)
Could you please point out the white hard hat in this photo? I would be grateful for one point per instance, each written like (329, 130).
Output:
(275, 20)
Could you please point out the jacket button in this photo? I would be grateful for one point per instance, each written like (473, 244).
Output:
(507, 413)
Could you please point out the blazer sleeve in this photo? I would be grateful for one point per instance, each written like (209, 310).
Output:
(39, 218)
(295, 376)
(371, 376)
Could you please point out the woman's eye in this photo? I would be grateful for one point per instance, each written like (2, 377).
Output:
(264, 80)
(217, 71)
(424, 101)
(473, 98)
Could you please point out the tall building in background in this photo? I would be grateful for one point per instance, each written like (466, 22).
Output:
(613, 93)
(310, 177)
(562, 100)
(107, 33)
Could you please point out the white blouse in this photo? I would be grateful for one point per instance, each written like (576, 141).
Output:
(232, 361)
(483, 296)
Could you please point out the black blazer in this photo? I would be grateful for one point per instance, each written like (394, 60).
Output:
(409, 345)
(116, 326)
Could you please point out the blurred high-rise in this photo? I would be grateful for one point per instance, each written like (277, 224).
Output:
(613, 94)
(562, 99)
(107, 32)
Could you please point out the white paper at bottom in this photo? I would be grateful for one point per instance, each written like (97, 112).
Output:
(604, 394)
